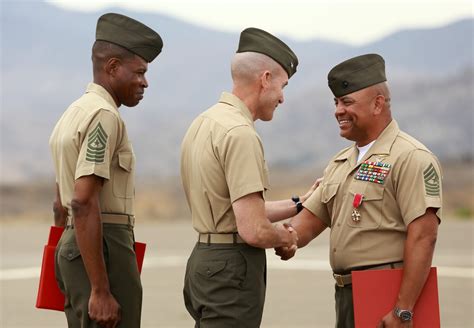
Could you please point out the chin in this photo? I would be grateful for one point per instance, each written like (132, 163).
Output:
(131, 103)
(346, 135)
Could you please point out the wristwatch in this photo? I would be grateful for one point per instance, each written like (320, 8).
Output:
(298, 203)
(404, 315)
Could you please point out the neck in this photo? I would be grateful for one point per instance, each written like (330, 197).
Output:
(248, 97)
(106, 85)
(375, 133)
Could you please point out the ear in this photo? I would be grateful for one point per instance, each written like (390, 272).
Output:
(265, 79)
(112, 66)
(379, 104)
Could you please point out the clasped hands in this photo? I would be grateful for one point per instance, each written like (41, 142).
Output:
(287, 252)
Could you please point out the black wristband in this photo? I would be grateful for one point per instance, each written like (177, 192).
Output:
(299, 205)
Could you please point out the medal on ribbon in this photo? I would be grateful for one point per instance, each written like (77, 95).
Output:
(355, 204)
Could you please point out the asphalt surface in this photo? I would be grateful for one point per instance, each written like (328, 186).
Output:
(299, 292)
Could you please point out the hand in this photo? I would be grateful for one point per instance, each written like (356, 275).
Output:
(293, 234)
(60, 214)
(311, 190)
(391, 321)
(104, 309)
(285, 253)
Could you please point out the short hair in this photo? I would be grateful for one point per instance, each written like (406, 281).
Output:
(383, 89)
(102, 51)
(247, 66)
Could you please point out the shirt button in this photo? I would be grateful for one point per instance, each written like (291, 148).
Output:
(339, 224)
(334, 250)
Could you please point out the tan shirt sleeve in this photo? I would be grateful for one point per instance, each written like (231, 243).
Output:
(321, 198)
(241, 155)
(418, 185)
(97, 143)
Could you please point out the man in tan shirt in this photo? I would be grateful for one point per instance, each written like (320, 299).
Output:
(225, 177)
(94, 162)
(381, 197)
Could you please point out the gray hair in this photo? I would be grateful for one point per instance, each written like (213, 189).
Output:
(383, 89)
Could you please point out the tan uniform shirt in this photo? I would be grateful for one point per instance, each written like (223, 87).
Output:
(90, 138)
(222, 160)
(411, 185)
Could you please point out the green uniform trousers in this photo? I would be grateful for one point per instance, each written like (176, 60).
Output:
(122, 271)
(344, 307)
(225, 284)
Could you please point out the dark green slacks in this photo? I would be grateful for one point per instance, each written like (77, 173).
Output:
(225, 284)
(122, 271)
(344, 307)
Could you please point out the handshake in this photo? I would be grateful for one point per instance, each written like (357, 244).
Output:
(288, 250)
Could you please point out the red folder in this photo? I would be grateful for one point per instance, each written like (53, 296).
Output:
(375, 293)
(49, 295)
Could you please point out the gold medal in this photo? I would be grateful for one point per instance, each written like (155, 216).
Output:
(355, 215)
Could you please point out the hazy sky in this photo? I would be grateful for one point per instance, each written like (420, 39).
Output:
(349, 21)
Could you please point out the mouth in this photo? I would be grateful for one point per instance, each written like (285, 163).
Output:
(344, 123)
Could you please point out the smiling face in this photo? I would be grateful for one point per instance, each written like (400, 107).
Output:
(272, 92)
(356, 114)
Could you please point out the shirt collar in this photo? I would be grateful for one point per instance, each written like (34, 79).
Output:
(384, 142)
(100, 90)
(382, 145)
(234, 101)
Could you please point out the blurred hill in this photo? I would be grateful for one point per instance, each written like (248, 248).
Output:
(45, 65)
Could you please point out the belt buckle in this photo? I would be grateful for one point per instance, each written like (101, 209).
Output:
(339, 280)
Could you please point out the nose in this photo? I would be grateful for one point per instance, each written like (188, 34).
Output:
(144, 82)
(340, 109)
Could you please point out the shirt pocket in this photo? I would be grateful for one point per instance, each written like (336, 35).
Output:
(123, 179)
(328, 197)
(69, 251)
(371, 207)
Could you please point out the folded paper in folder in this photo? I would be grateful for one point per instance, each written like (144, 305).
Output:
(375, 293)
(49, 295)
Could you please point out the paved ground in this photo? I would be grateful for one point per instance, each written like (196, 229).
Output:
(299, 294)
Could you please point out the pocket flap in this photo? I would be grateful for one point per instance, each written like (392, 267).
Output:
(329, 191)
(372, 192)
(70, 251)
(125, 160)
(209, 269)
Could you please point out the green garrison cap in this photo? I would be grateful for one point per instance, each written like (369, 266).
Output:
(356, 73)
(255, 40)
(130, 34)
